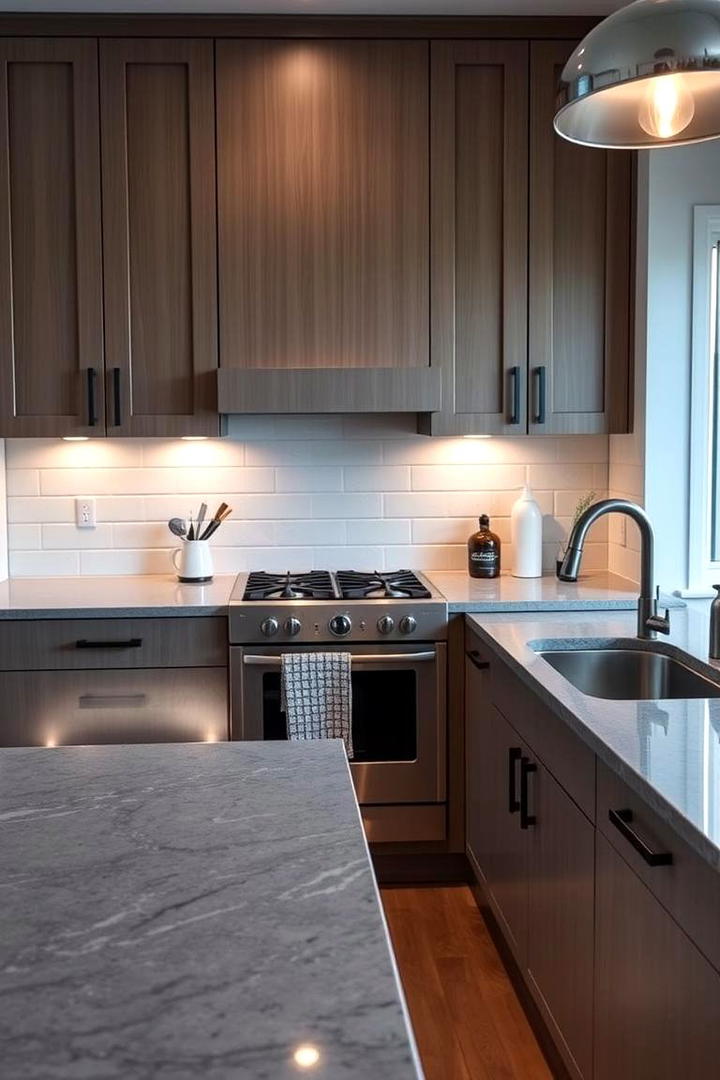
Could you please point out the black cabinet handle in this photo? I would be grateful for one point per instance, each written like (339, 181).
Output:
(540, 386)
(91, 383)
(128, 643)
(622, 820)
(117, 411)
(514, 755)
(514, 417)
(474, 658)
(526, 767)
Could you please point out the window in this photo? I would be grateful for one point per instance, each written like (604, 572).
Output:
(704, 516)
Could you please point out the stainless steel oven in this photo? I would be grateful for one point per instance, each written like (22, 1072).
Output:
(398, 714)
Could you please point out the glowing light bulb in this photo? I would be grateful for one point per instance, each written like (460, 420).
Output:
(306, 1056)
(668, 107)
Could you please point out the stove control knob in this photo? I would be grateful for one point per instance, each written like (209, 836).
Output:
(407, 625)
(268, 627)
(340, 625)
(292, 626)
(386, 625)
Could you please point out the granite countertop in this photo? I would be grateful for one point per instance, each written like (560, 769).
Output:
(192, 910)
(138, 596)
(594, 590)
(667, 751)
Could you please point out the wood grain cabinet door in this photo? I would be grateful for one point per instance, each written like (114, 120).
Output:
(323, 205)
(51, 332)
(159, 227)
(479, 134)
(496, 845)
(657, 999)
(561, 903)
(580, 270)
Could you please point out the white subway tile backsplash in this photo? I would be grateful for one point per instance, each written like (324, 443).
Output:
(567, 476)
(40, 510)
(346, 505)
(377, 478)
(387, 531)
(23, 482)
(45, 563)
(468, 477)
(70, 538)
(308, 478)
(24, 537)
(125, 562)
(305, 492)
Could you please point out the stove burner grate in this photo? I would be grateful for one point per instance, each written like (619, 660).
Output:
(394, 585)
(313, 585)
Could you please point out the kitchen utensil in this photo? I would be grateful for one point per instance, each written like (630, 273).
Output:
(200, 518)
(177, 527)
(191, 531)
(193, 562)
(216, 523)
(222, 511)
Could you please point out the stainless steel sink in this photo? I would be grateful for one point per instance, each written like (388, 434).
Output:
(629, 674)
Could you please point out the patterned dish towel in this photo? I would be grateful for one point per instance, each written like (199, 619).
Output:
(317, 696)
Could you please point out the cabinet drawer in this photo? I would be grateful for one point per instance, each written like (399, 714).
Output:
(47, 644)
(54, 708)
(571, 762)
(688, 887)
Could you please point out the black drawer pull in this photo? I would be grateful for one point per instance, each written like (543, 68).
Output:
(91, 381)
(128, 643)
(514, 755)
(474, 658)
(514, 417)
(622, 820)
(526, 767)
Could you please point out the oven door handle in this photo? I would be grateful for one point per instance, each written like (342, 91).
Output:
(357, 658)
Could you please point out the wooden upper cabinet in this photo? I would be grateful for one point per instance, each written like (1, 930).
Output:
(479, 124)
(580, 270)
(323, 211)
(51, 331)
(159, 229)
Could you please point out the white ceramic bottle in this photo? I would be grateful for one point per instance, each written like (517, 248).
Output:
(526, 525)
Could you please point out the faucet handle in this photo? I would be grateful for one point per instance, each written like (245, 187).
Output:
(661, 623)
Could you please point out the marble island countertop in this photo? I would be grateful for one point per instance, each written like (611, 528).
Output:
(189, 911)
(667, 751)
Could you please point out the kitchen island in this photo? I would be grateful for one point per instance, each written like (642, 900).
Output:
(192, 910)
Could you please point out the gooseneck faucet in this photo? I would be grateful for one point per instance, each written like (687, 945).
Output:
(649, 622)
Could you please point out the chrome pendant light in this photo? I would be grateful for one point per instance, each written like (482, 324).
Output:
(649, 75)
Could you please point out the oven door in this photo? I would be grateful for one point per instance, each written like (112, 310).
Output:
(398, 715)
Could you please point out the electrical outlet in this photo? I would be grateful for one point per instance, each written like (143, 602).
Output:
(85, 512)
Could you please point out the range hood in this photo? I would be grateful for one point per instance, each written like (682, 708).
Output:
(329, 390)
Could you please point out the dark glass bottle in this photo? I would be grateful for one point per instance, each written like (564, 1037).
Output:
(484, 551)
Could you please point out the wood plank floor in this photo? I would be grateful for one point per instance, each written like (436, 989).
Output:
(468, 1022)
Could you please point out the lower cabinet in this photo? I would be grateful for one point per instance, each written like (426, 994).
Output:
(561, 917)
(117, 680)
(496, 845)
(533, 849)
(619, 948)
(657, 1014)
(65, 708)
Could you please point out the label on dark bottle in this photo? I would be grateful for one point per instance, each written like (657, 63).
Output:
(484, 558)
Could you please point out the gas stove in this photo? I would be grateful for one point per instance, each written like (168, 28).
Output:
(344, 605)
